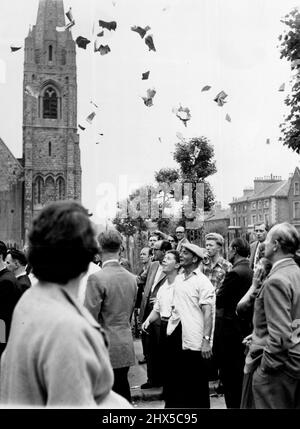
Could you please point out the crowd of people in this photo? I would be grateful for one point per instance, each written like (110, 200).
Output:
(67, 306)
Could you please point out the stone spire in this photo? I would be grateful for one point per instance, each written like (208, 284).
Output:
(50, 14)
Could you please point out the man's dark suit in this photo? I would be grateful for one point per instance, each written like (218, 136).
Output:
(151, 341)
(8, 299)
(229, 331)
(253, 247)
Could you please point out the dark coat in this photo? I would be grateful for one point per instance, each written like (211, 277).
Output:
(253, 247)
(24, 283)
(235, 285)
(146, 305)
(9, 296)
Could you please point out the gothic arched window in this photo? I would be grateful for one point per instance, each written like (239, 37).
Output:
(38, 190)
(49, 190)
(60, 189)
(50, 103)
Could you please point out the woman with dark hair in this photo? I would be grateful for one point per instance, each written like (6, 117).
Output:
(57, 353)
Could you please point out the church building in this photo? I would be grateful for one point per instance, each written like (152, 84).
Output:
(50, 168)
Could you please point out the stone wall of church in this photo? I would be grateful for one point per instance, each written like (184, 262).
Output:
(11, 197)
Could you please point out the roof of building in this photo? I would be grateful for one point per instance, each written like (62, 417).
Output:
(218, 215)
(278, 189)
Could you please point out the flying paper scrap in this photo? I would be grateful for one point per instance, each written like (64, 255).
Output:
(90, 117)
(141, 31)
(145, 75)
(102, 49)
(183, 113)
(281, 88)
(149, 43)
(108, 25)
(30, 91)
(69, 15)
(220, 98)
(228, 118)
(94, 104)
(66, 27)
(15, 48)
(148, 101)
(82, 42)
(81, 127)
(205, 88)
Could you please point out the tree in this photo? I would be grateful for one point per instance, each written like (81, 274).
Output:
(195, 157)
(290, 49)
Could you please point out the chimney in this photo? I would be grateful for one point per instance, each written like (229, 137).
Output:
(261, 183)
(247, 192)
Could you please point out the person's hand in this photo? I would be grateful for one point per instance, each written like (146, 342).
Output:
(145, 326)
(247, 340)
(206, 349)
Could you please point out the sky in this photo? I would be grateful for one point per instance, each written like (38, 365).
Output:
(231, 45)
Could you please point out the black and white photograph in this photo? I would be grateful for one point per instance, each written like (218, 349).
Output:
(150, 206)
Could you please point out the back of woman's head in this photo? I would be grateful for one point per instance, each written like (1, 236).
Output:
(61, 242)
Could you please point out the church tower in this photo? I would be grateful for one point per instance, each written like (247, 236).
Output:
(51, 154)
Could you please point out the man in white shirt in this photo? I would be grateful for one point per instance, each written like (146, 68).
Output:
(193, 315)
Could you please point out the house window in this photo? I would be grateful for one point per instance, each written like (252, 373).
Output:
(253, 219)
(245, 207)
(49, 149)
(266, 204)
(260, 218)
(50, 104)
(297, 209)
(254, 205)
(259, 204)
(296, 189)
(234, 221)
(266, 219)
(50, 52)
(239, 208)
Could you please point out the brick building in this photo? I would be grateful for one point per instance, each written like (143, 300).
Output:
(50, 168)
(271, 200)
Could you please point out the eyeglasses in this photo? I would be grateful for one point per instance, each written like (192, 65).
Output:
(259, 230)
(171, 241)
(179, 232)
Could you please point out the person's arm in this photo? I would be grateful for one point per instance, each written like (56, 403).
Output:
(207, 302)
(153, 316)
(206, 349)
(93, 296)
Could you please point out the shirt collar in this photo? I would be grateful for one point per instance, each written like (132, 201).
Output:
(281, 260)
(195, 272)
(208, 261)
(110, 260)
(23, 273)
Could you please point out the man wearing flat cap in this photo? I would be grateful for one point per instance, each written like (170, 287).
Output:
(192, 322)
